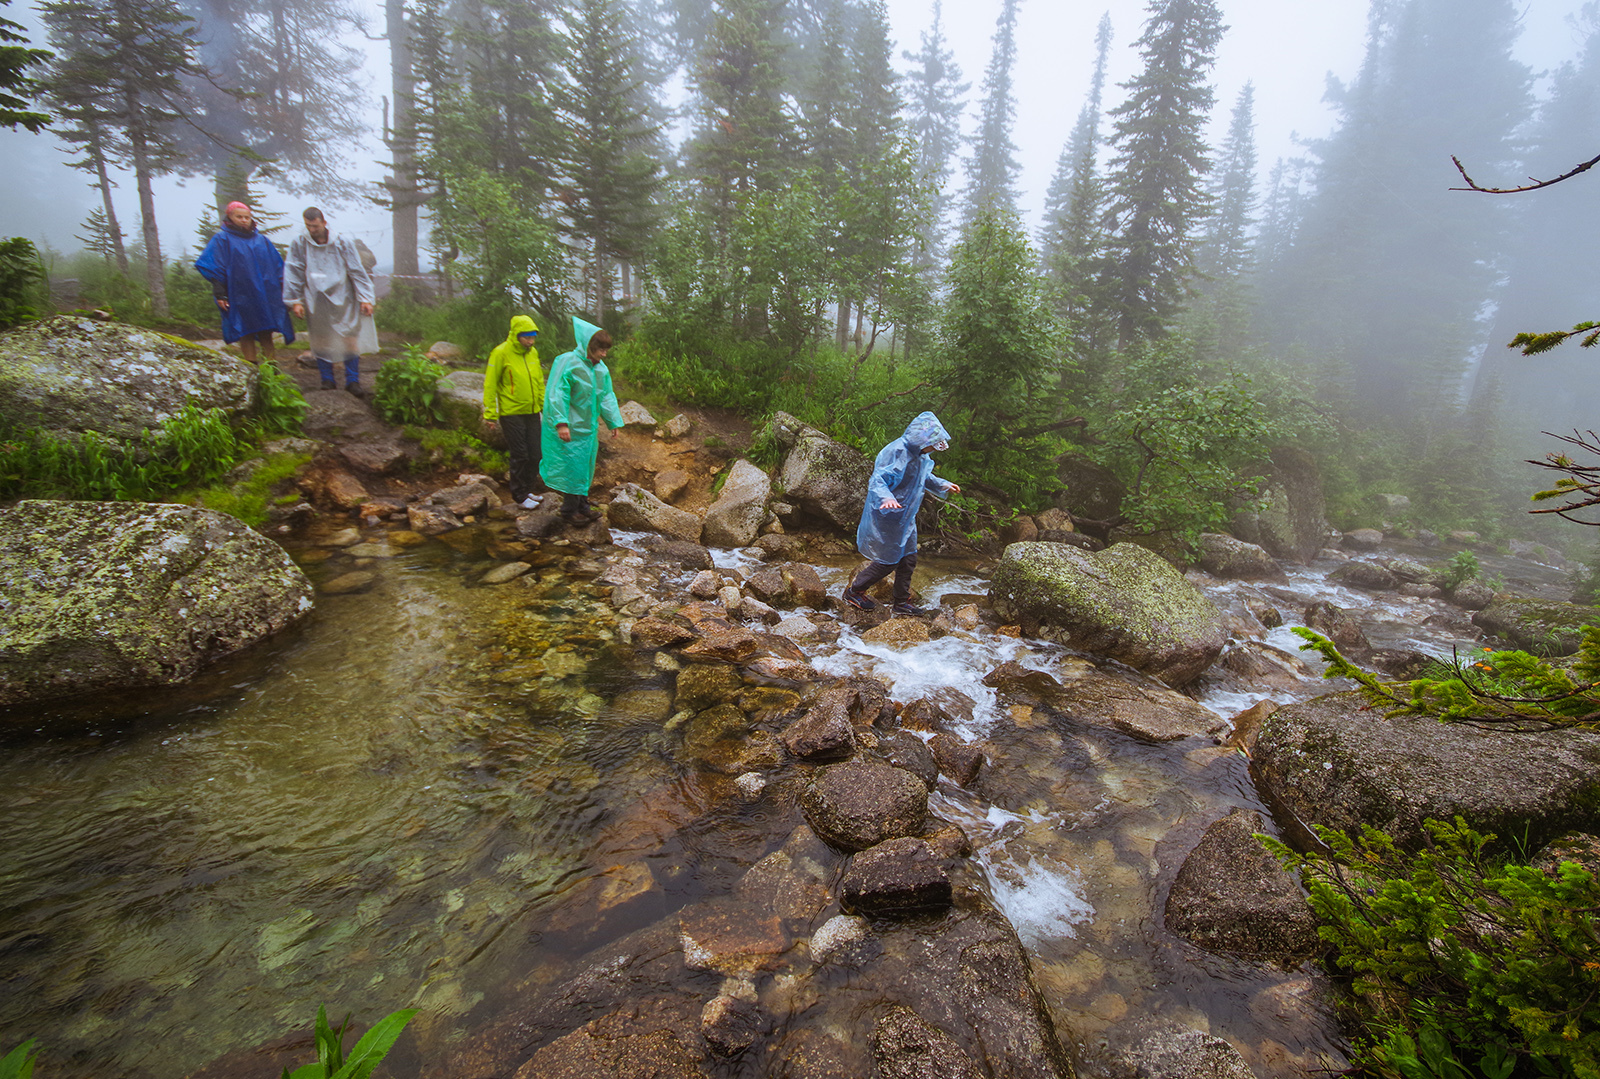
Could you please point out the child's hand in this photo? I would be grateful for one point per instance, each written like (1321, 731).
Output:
(890, 504)
(955, 489)
(563, 432)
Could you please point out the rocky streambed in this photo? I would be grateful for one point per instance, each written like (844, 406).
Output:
(616, 804)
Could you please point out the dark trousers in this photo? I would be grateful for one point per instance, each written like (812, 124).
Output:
(873, 572)
(523, 432)
(352, 370)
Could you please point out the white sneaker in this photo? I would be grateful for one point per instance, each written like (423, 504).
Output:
(531, 502)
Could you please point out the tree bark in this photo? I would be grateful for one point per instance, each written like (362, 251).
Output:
(103, 182)
(403, 195)
(155, 276)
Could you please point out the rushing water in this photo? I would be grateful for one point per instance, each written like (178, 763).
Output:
(421, 798)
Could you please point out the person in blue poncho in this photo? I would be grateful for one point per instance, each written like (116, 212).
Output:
(887, 535)
(246, 275)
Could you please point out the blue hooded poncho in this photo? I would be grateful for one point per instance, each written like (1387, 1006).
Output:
(247, 271)
(577, 393)
(902, 471)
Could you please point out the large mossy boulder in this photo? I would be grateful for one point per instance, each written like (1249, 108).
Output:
(70, 375)
(460, 396)
(1546, 627)
(1334, 762)
(735, 519)
(1291, 520)
(105, 596)
(1124, 602)
(825, 478)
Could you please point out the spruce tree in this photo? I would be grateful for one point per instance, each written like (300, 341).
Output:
(936, 100)
(992, 168)
(1157, 177)
(1223, 256)
(610, 179)
(16, 84)
(131, 58)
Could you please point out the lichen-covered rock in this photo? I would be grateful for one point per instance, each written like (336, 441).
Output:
(1232, 896)
(1545, 626)
(69, 375)
(635, 508)
(1362, 539)
(1158, 1048)
(1123, 602)
(460, 395)
(1225, 556)
(825, 478)
(1339, 626)
(1366, 575)
(905, 1046)
(1332, 761)
(1291, 522)
(98, 596)
(735, 519)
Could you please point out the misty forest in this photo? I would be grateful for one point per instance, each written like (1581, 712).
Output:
(782, 214)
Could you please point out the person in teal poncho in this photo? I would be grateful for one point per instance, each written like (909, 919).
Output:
(887, 535)
(577, 396)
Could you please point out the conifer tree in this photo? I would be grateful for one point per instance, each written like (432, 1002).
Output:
(84, 111)
(610, 179)
(992, 168)
(1162, 160)
(130, 59)
(101, 236)
(16, 85)
(403, 185)
(1223, 256)
(936, 99)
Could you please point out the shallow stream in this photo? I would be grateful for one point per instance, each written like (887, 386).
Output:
(420, 798)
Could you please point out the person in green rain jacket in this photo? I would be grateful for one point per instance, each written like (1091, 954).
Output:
(577, 396)
(513, 397)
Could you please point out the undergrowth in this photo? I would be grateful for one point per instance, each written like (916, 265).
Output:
(406, 391)
(248, 500)
(1463, 965)
(449, 448)
(1494, 688)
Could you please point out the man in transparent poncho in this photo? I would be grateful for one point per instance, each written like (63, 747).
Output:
(326, 283)
(887, 535)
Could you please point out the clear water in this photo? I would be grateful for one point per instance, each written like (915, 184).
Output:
(422, 797)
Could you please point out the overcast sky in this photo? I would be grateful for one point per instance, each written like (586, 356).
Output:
(1286, 47)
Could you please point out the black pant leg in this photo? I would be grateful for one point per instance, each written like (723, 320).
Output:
(522, 446)
(903, 570)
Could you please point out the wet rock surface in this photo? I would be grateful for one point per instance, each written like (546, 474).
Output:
(103, 596)
(857, 805)
(1335, 762)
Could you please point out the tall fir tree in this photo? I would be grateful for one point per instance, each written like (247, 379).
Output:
(609, 177)
(1391, 271)
(131, 58)
(936, 99)
(1157, 177)
(17, 85)
(992, 168)
(1223, 256)
(1072, 201)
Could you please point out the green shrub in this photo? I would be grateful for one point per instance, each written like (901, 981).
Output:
(248, 500)
(1463, 567)
(368, 1053)
(18, 1064)
(1465, 965)
(407, 389)
(194, 447)
(280, 406)
(452, 448)
(23, 294)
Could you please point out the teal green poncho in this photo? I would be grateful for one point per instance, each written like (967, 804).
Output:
(577, 393)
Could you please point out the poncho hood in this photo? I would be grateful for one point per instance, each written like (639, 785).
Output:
(925, 431)
(581, 332)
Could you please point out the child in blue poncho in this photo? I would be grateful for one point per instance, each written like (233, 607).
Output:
(901, 475)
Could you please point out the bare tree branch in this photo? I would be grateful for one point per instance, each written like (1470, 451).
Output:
(1534, 185)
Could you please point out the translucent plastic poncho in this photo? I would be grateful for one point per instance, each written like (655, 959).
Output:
(578, 393)
(902, 471)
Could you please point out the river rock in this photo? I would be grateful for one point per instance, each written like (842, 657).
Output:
(1232, 896)
(1471, 595)
(825, 732)
(677, 552)
(460, 396)
(1226, 556)
(701, 685)
(618, 1047)
(1366, 575)
(671, 483)
(898, 631)
(1124, 602)
(1334, 762)
(787, 585)
(857, 805)
(634, 508)
(731, 1024)
(70, 375)
(825, 478)
(730, 936)
(1546, 627)
(431, 520)
(1155, 1048)
(837, 934)
(508, 571)
(905, 750)
(957, 759)
(102, 596)
(464, 500)
(735, 518)
(1339, 626)
(1152, 712)
(897, 876)
(905, 1046)
(346, 583)
(1362, 539)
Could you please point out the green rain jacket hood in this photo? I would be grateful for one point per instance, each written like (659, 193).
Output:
(513, 384)
(578, 394)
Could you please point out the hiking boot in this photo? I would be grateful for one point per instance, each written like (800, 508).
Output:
(858, 600)
(909, 609)
(329, 385)
(354, 389)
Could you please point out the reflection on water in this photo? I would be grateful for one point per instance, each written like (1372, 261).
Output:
(440, 795)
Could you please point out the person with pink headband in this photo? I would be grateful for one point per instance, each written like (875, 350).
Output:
(246, 275)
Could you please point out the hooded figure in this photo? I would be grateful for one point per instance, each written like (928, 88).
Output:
(246, 271)
(513, 397)
(577, 396)
(326, 281)
(901, 475)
